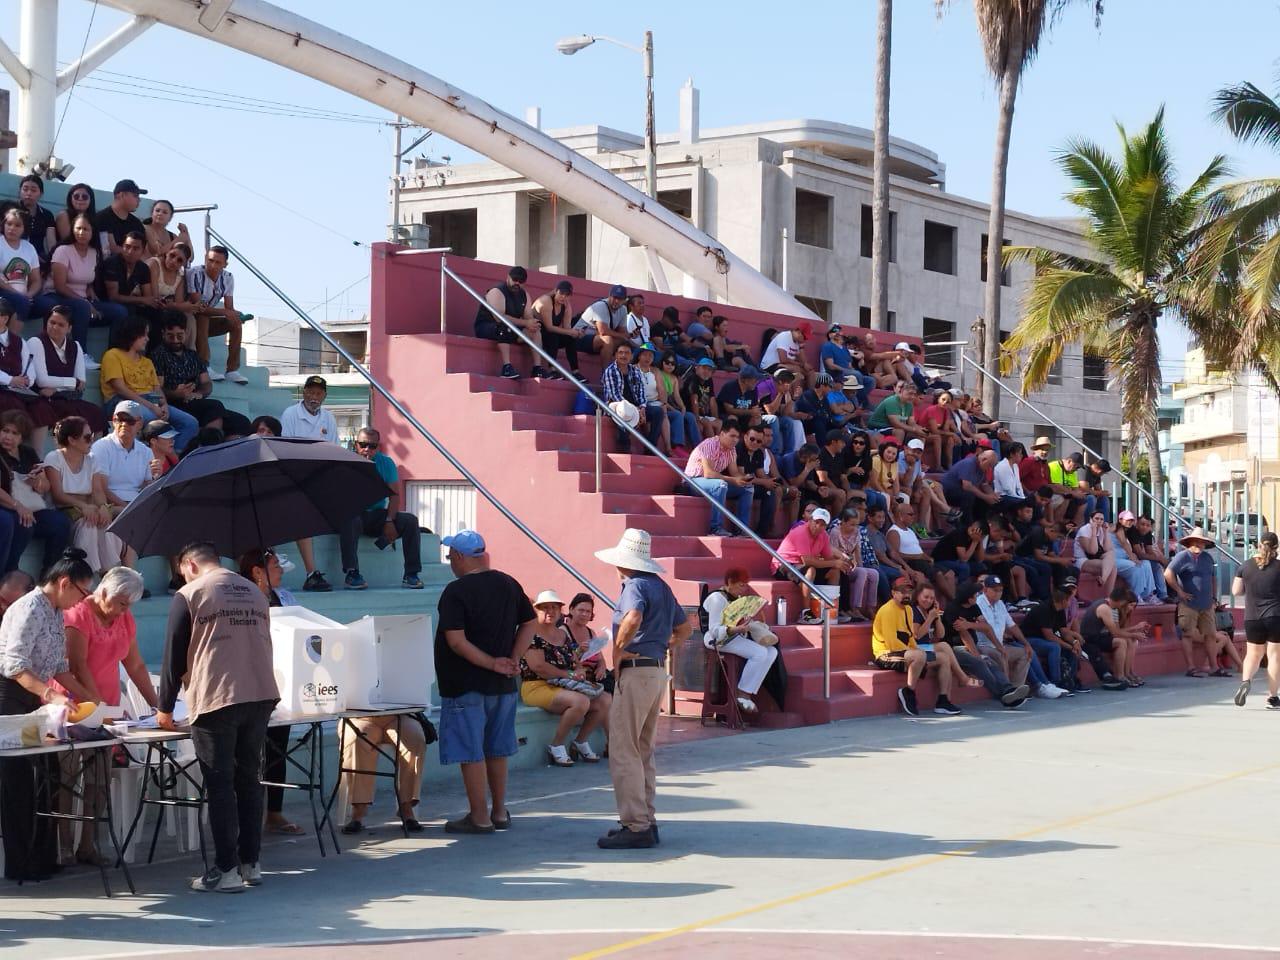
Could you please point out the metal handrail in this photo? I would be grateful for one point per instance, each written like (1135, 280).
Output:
(602, 407)
(413, 422)
(1164, 506)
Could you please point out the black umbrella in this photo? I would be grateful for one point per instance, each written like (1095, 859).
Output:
(254, 492)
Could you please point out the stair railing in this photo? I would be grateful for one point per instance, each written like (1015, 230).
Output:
(1163, 509)
(603, 410)
(413, 421)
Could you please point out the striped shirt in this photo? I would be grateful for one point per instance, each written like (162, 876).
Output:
(712, 452)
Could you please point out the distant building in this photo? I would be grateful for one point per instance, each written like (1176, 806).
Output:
(792, 198)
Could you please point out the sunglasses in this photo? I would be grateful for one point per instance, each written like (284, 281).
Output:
(86, 436)
(366, 445)
(79, 196)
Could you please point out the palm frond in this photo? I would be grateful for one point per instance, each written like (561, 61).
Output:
(1098, 189)
(1248, 113)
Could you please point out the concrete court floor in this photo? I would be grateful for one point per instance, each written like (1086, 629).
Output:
(1130, 825)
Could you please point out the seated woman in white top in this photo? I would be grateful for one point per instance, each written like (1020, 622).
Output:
(57, 366)
(750, 639)
(81, 493)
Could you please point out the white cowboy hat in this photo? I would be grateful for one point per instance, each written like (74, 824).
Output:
(548, 597)
(1197, 534)
(625, 411)
(633, 552)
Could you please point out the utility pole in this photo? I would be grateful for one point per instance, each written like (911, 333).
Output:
(397, 159)
(650, 138)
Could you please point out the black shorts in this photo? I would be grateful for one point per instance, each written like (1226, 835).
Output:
(488, 328)
(1100, 643)
(1266, 630)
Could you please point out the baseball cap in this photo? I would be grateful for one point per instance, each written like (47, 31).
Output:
(1127, 515)
(646, 346)
(466, 542)
(1075, 457)
(704, 362)
(806, 328)
(158, 430)
(314, 381)
(821, 514)
(618, 291)
(992, 582)
(750, 373)
(823, 380)
(915, 443)
(902, 583)
(128, 186)
(902, 345)
(834, 328)
(130, 409)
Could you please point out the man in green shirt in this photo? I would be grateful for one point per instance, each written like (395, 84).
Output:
(896, 414)
(1065, 480)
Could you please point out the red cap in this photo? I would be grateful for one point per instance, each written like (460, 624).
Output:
(805, 327)
(984, 442)
(902, 583)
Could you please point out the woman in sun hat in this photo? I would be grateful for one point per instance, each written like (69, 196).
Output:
(553, 679)
(647, 620)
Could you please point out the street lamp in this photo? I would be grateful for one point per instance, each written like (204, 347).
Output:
(571, 45)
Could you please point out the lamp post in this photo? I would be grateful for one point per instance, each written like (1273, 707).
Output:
(571, 45)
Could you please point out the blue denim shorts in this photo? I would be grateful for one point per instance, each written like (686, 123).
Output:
(475, 727)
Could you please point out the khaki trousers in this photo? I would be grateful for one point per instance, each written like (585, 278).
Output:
(633, 726)
(361, 756)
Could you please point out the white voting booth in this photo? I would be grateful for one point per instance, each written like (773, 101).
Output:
(325, 667)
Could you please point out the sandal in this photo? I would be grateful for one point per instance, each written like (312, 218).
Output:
(287, 828)
(467, 825)
(1222, 672)
(1198, 674)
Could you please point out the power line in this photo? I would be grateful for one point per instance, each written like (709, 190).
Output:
(234, 106)
(75, 75)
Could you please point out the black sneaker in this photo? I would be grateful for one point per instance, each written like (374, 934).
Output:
(316, 583)
(553, 374)
(945, 707)
(580, 376)
(538, 373)
(626, 840)
(1015, 696)
(907, 697)
(653, 829)
(1242, 693)
(1112, 682)
(509, 372)
(1273, 703)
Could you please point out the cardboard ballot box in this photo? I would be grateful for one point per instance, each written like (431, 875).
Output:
(309, 656)
(390, 660)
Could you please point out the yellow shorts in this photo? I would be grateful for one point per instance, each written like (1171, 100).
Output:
(538, 693)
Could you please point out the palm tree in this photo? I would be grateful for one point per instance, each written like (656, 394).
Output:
(880, 172)
(1144, 231)
(1010, 31)
(1243, 239)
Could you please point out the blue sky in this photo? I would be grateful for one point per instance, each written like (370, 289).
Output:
(296, 192)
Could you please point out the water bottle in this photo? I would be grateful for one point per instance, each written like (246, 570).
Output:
(782, 611)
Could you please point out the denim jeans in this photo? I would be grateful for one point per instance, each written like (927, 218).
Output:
(788, 434)
(1039, 576)
(1136, 574)
(721, 491)
(21, 304)
(1035, 672)
(51, 526)
(186, 425)
(962, 570)
(369, 523)
(768, 500)
(82, 318)
(228, 744)
(684, 428)
(1157, 575)
(985, 669)
(1052, 654)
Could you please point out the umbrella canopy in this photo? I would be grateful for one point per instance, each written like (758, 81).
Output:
(255, 492)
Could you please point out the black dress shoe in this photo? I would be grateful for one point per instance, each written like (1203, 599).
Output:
(627, 840)
(653, 828)
(411, 825)
(352, 827)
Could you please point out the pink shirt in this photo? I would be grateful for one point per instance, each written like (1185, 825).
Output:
(710, 451)
(80, 270)
(108, 645)
(799, 542)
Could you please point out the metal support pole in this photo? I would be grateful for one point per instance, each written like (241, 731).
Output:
(443, 289)
(413, 421)
(37, 104)
(394, 232)
(826, 655)
(599, 448)
(650, 138)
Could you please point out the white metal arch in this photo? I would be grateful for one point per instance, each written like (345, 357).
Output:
(306, 47)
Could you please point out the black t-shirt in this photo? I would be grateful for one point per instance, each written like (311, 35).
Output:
(731, 398)
(114, 268)
(833, 464)
(1137, 539)
(956, 610)
(945, 549)
(750, 461)
(698, 395)
(1261, 589)
(1035, 539)
(1041, 617)
(489, 606)
(106, 221)
(41, 222)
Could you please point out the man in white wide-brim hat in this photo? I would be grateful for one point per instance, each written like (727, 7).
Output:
(1192, 576)
(647, 620)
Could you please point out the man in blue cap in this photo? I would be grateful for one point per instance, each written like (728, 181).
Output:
(602, 326)
(485, 625)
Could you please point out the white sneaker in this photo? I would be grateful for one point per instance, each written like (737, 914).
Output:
(1049, 691)
(215, 881)
(235, 376)
(90, 363)
(251, 874)
(747, 705)
(217, 377)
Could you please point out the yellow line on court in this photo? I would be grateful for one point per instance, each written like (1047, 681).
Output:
(913, 865)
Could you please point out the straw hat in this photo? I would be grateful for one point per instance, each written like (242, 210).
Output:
(1042, 442)
(1197, 534)
(548, 597)
(633, 552)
